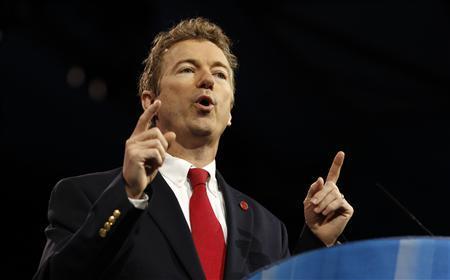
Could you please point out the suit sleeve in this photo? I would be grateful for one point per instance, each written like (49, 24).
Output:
(307, 241)
(74, 247)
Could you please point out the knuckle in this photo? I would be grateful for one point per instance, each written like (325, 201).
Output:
(160, 145)
(165, 144)
(153, 153)
(320, 207)
(332, 185)
(157, 154)
(149, 134)
(152, 143)
(350, 208)
(155, 130)
(129, 141)
(336, 193)
(329, 208)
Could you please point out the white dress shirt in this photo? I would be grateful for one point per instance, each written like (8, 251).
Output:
(174, 171)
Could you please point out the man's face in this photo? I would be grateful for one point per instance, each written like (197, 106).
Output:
(195, 90)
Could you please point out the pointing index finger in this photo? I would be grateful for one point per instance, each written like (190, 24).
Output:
(335, 169)
(146, 116)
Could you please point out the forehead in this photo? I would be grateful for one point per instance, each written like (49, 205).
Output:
(202, 51)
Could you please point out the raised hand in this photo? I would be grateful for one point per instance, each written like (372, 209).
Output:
(145, 151)
(325, 208)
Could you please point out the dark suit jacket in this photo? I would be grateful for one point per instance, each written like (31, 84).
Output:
(154, 243)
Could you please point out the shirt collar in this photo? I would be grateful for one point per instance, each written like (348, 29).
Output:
(176, 170)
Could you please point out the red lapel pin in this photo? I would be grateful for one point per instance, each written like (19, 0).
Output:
(244, 205)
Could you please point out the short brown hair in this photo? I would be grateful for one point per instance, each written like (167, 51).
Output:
(196, 28)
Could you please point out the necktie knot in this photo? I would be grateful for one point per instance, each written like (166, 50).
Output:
(197, 177)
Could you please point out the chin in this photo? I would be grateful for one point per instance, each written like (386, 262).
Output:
(204, 128)
(201, 131)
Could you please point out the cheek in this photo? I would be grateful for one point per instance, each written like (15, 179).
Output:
(225, 110)
(173, 85)
(171, 93)
(228, 102)
(172, 106)
(226, 94)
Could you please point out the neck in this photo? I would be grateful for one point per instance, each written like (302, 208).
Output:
(200, 154)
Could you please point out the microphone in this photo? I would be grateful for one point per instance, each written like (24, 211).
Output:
(404, 209)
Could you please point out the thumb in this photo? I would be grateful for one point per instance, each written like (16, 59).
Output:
(170, 137)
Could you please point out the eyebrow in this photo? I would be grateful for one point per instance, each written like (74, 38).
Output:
(196, 64)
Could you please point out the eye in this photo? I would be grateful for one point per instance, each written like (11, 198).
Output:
(220, 75)
(186, 70)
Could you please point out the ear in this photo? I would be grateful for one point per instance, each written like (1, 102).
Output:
(147, 98)
(229, 120)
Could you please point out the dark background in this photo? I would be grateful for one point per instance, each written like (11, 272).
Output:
(369, 79)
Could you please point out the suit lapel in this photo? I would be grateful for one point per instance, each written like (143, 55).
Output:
(166, 212)
(240, 230)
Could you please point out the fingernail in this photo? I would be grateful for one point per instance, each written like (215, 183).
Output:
(314, 200)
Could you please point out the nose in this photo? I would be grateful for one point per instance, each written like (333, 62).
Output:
(206, 81)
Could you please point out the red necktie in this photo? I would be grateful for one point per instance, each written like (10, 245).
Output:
(206, 230)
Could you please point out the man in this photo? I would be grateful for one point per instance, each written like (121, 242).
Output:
(167, 213)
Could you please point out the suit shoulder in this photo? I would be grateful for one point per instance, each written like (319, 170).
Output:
(258, 207)
(90, 182)
(104, 176)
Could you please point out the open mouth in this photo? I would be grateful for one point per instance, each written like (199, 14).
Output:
(205, 103)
